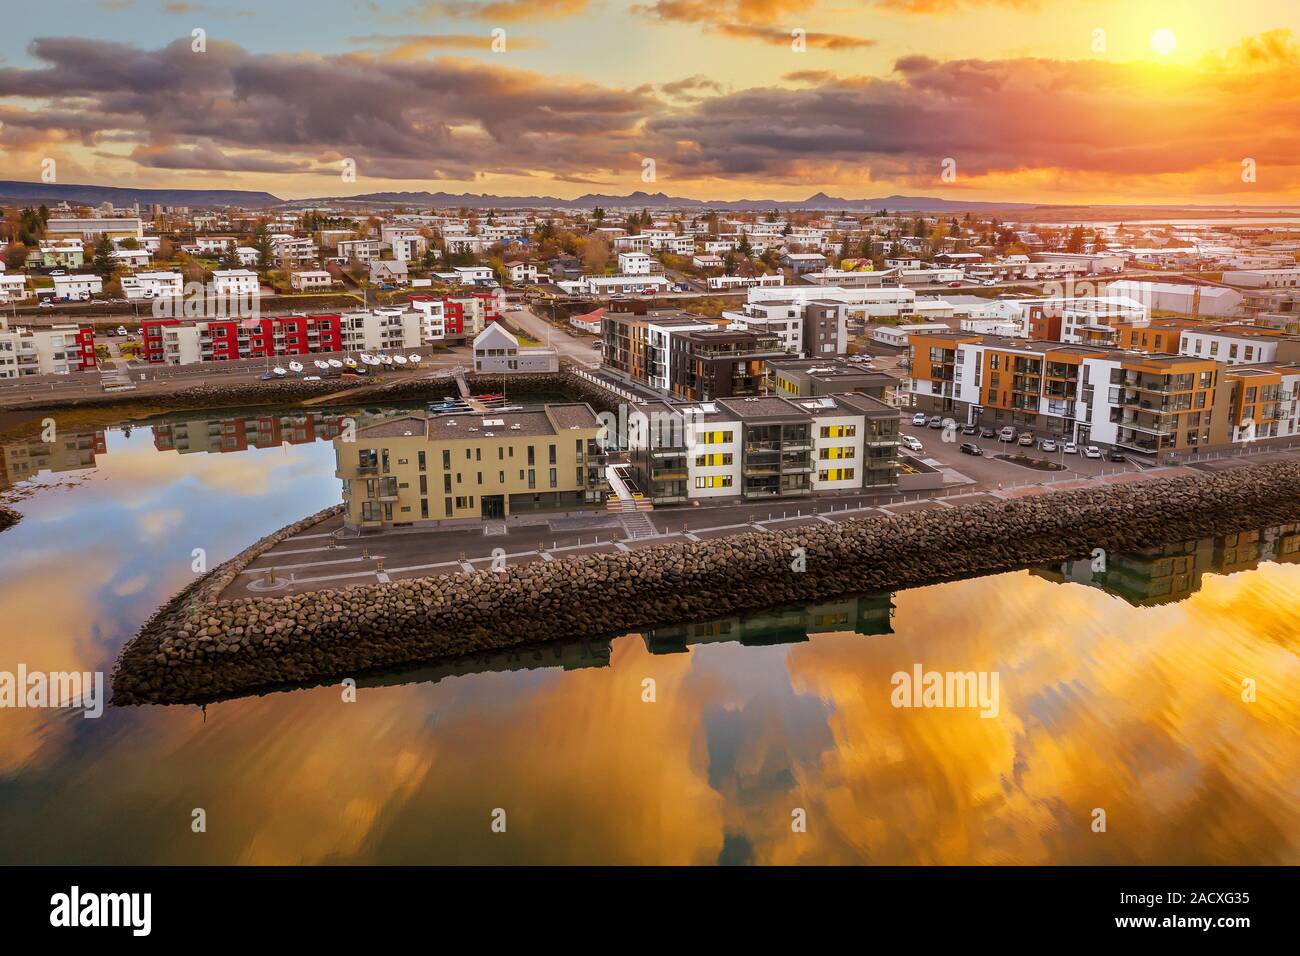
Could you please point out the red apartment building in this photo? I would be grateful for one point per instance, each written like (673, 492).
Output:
(223, 340)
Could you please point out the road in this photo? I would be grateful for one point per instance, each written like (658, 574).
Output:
(574, 347)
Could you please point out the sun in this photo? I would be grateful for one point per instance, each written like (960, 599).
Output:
(1163, 41)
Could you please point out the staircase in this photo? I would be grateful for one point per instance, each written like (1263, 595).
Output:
(632, 516)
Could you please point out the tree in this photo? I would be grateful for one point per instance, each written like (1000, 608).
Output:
(594, 255)
(103, 261)
(265, 251)
(16, 255)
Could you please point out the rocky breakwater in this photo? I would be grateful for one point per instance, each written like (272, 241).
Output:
(226, 648)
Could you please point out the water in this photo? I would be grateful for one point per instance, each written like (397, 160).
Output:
(1104, 703)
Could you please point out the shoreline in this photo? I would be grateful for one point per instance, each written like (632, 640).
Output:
(221, 649)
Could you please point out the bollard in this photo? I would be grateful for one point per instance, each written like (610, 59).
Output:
(330, 544)
(462, 557)
(268, 577)
(379, 564)
(541, 546)
(365, 553)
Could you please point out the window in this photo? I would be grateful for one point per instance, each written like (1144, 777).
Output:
(713, 481)
(424, 507)
(553, 478)
(712, 461)
(715, 438)
(531, 456)
(422, 461)
(836, 474)
(446, 459)
(424, 484)
(839, 451)
(839, 431)
(552, 459)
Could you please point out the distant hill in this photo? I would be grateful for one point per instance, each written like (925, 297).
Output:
(23, 193)
(639, 200)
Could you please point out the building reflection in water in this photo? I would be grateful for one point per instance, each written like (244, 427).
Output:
(1170, 573)
(70, 451)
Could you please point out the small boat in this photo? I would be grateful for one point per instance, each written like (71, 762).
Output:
(350, 362)
(321, 364)
(414, 357)
(399, 359)
(334, 363)
(386, 359)
(280, 371)
(295, 366)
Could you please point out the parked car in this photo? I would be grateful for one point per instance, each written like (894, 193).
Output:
(58, 272)
(954, 285)
(970, 448)
(1026, 439)
(45, 304)
(1070, 448)
(1116, 455)
(989, 282)
(121, 330)
(1091, 451)
(969, 430)
(919, 418)
(936, 421)
(1007, 434)
(1047, 444)
(987, 432)
(912, 443)
(596, 345)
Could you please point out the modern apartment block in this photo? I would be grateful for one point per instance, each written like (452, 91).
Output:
(1239, 344)
(178, 342)
(810, 377)
(769, 447)
(70, 451)
(815, 329)
(423, 469)
(57, 350)
(1150, 403)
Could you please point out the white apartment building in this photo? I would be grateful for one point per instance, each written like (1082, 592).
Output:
(714, 456)
(433, 320)
(57, 350)
(475, 275)
(153, 285)
(131, 258)
(235, 282)
(1089, 319)
(409, 248)
(677, 245)
(634, 263)
(638, 243)
(363, 250)
(77, 287)
(381, 330)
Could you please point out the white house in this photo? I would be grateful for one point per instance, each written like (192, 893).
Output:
(496, 350)
(153, 285)
(13, 287)
(521, 272)
(77, 286)
(634, 263)
(475, 275)
(242, 282)
(310, 281)
(131, 258)
(388, 271)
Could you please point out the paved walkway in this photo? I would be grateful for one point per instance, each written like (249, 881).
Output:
(330, 556)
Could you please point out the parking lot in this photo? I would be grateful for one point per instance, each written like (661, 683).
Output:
(989, 472)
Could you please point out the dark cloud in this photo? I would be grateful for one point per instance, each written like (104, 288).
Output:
(409, 118)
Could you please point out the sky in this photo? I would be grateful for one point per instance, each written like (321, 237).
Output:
(1048, 101)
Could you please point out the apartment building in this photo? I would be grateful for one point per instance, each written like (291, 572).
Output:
(745, 282)
(56, 350)
(814, 328)
(1239, 344)
(1264, 401)
(634, 263)
(66, 254)
(363, 250)
(1150, 403)
(812, 378)
(705, 364)
(764, 447)
(1263, 278)
(471, 467)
